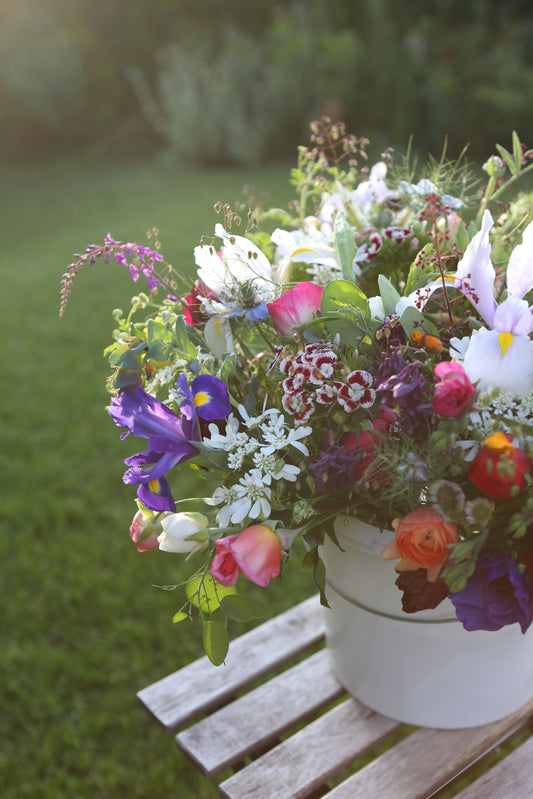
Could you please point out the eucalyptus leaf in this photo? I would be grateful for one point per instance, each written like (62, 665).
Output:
(389, 294)
(216, 641)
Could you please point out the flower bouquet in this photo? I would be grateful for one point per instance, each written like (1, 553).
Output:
(366, 352)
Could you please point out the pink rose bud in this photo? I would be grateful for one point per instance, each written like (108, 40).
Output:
(256, 552)
(452, 394)
(145, 528)
(298, 306)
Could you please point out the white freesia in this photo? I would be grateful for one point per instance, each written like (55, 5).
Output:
(178, 527)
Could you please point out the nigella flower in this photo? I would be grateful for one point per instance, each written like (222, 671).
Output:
(405, 391)
(333, 467)
(169, 443)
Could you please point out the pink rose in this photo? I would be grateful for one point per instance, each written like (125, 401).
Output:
(453, 392)
(296, 307)
(256, 552)
(143, 531)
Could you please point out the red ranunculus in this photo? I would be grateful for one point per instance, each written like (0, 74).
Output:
(367, 442)
(499, 466)
(454, 390)
(422, 541)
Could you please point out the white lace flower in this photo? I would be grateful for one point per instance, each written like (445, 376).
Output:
(277, 435)
(253, 498)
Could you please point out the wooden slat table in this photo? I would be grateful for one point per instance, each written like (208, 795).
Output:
(274, 723)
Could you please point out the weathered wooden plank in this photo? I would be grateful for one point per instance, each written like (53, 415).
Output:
(298, 765)
(511, 778)
(200, 686)
(426, 760)
(256, 719)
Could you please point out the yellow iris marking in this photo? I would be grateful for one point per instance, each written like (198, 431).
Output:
(301, 249)
(505, 339)
(154, 486)
(201, 398)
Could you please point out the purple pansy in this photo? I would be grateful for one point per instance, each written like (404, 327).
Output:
(497, 594)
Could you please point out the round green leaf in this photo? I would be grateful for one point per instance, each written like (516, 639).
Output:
(241, 608)
(205, 593)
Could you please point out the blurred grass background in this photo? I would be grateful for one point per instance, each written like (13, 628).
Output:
(83, 627)
(82, 153)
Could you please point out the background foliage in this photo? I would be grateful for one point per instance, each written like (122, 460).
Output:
(240, 81)
(82, 630)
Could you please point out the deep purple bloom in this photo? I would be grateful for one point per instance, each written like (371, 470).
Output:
(169, 442)
(497, 594)
(206, 397)
(405, 391)
(334, 467)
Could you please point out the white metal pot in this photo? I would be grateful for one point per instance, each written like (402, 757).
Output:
(422, 668)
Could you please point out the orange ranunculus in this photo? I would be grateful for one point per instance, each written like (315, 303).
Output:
(422, 540)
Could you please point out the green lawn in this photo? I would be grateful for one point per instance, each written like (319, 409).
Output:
(83, 629)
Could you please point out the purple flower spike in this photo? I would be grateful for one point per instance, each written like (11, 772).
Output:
(497, 594)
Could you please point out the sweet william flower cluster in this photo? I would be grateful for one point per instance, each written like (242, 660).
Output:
(367, 352)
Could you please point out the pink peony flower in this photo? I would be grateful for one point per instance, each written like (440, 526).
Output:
(256, 552)
(295, 307)
(453, 392)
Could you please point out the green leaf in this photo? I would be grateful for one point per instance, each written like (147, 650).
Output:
(340, 295)
(344, 238)
(160, 341)
(205, 593)
(507, 157)
(126, 377)
(389, 294)
(126, 358)
(179, 616)
(517, 152)
(420, 274)
(241, 608)
(216, 642)
(412, 319)
(185, 337)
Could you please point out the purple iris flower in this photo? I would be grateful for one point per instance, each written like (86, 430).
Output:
(497, 594)
(169, 443)
(206, 397)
